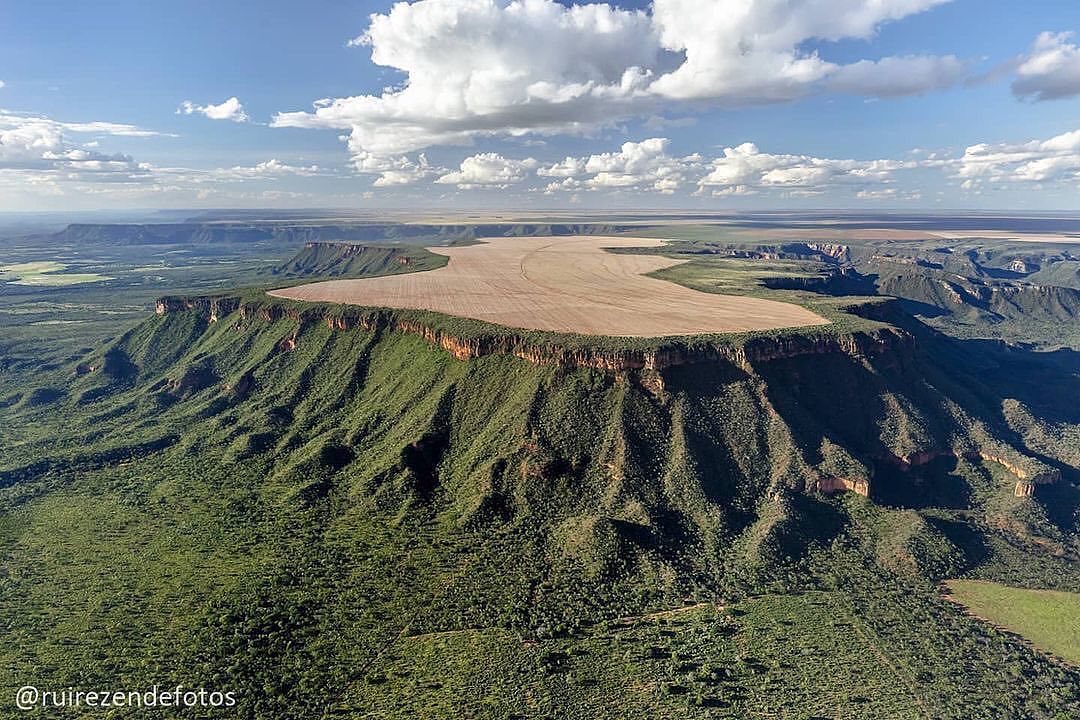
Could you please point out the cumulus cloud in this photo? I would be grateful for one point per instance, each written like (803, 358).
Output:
(37, 142)
(232, 109)
(749, 52)
(739, 171)
(481, 68)
(1051, 70)
(40, 156)
(898, 76)
(2, 83)
(1055, 160)
(393, 171)
(566, 168)
(744, 168)
(272, 168)
(645, 165)
(488, 170)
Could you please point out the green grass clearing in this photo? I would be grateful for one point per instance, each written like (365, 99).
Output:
(1050, 619)
(45, 274)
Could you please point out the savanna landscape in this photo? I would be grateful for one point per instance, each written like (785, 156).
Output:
(379, 509)
(540, 360)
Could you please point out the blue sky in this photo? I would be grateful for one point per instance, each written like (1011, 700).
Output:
(486, 103)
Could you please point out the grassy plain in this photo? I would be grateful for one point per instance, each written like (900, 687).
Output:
(1050, 619)
(49, 274)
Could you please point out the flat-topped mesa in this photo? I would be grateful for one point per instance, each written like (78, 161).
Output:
(551, 349)
(344, 250)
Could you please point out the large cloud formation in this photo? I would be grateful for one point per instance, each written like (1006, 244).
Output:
(644, 165)
(745, 168)
(488, 170)
(741, 170)
(34, 142)
(476, 68)
(1056, 160)
(1052, 69)
(42, 156)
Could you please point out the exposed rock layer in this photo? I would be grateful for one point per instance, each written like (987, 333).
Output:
(664, 354)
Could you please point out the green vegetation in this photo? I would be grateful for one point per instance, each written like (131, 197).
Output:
(45, 273)
(319, 509)
(1049, 619)
(350, 260)
(795, 281)
(327, 530)
(1012, 290)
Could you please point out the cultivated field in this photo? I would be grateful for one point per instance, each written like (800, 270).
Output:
(566, 284)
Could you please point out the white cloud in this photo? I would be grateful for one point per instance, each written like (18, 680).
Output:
(2, 84)
(393, 171)
(740, 171)
(567, 168)
(1055, 160)
(565, 185)
(745, 168)
(33, 141)
(40, 158)
(645, 165)
(888, 194)
(750, 52)
(734, 191)
(1051, 70)
(116, 129)
(272, 168)
(898, 76)
(484, 68)
(488, 169)
(481, 67)
(232, 109)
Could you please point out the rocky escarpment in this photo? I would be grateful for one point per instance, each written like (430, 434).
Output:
(883, 346)
(212, 307)
(549, 348)
(1028, 471)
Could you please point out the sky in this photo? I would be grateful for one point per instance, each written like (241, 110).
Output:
(474, 104)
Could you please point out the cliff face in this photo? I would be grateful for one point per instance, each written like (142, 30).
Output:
(665, 354)
(1028, 472)
(887, 349)
(212, 307)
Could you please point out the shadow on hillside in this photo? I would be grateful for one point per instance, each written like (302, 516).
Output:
(1046, 382)
(980, 375)
(933, 485)
(969, 540)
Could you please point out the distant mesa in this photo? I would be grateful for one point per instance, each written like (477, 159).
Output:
(566, 285)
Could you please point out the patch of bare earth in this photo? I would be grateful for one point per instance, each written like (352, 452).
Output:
(566, 284)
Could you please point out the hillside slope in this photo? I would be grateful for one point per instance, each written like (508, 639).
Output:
(326, 259)
(339, 511)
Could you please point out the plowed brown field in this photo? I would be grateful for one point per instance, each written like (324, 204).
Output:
(564, 284)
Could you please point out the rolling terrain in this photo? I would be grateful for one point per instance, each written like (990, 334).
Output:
(348, 511)
(338, 511)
